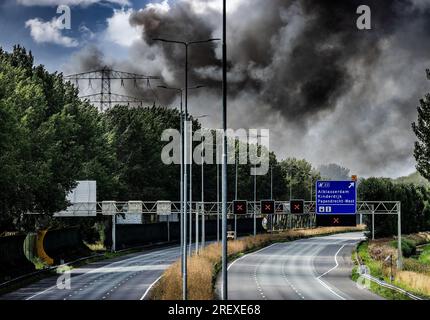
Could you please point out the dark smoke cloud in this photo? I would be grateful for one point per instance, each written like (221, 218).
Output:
(299, 77)
(192, 27)
(328, 92)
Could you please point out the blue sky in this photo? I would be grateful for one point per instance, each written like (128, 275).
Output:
(14, 15)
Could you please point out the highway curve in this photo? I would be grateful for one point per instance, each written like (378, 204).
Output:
(309, 269)
(123, 278)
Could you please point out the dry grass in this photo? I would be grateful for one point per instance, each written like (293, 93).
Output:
(419, 283)
(419, 238)
(98, 246)
(381, 248)
(415, 275)
(202, 268)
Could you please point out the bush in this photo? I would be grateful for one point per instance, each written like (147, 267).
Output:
(415, 205)
(409, 247)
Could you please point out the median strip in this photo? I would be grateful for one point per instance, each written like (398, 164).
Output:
(203, 268)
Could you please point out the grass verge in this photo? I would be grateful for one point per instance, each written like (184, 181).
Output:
(204, 267)
(376, 270)
(415, 276)
(424, 256)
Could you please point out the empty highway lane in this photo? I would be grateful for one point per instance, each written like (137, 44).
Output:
(124, 278)
(309, 269)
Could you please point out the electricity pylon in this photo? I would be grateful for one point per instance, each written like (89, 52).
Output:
(105, 98)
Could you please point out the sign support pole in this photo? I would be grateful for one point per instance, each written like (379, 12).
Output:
(113, 232)
(168, 229)
(373, 224)
(255, 201)
(224, 294)
(399, 237)
(235, 198)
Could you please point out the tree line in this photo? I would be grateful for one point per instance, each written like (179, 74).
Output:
(49, 139)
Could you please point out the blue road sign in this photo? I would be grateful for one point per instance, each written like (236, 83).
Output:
(336, 197)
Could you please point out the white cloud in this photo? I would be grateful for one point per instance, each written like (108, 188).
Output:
(68, 2)
(86, 32)
(119, 30)
(203, 6)
(162, 7)
(49, 32)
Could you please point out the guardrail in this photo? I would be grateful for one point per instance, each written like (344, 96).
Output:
(390, 286)
(363, 273)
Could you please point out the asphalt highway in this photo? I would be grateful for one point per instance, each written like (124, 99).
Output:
(123, 278)
(309, 269)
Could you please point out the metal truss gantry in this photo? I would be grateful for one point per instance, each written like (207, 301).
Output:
(283, 217)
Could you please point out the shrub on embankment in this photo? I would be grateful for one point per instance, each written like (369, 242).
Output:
(203, 267)
(415, 205)
(415, 275)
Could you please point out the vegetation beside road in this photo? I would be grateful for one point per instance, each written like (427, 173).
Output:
(415, 205)
(415, 275)
(203, 268)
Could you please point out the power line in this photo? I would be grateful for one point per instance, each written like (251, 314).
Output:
(105, 97)
(113, 99)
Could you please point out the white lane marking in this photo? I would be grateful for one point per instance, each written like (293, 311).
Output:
(248, 254)
(291, 285)
(121, 269)
(330, 289)
(41, 292)
(335, 260)
(145, 255)
(325, 285)
(256, 268)
(150, 287)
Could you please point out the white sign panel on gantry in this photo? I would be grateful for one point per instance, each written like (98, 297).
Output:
(164, 208)
(133, 215)
(83, 201)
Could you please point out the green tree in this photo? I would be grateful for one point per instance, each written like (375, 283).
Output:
(299, 176)
(136, 137)
(414, 205)
(334, 171)
(51, 139)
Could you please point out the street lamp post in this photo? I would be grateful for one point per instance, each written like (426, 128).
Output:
(190, 239)
(184, 182)
(255, 192)
(271, 182)
(255, 200)
(191, 190)
(217, 188)
(180, 91)
(271, 196)
(217, 195)
(203, 190)
(291, 182)
(203, 200)
(224, 152)
(235, 197)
